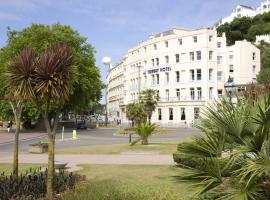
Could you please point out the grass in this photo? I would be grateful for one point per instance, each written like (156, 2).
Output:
(161, 148)
(131, 182)
(7, 168)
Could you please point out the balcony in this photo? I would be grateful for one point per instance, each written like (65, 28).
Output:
(181, 99)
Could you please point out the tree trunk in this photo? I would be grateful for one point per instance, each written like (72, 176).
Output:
(51, 169)
(149, 119)
(145, 142)
(17, 111)
(51, 130)
(16, 148)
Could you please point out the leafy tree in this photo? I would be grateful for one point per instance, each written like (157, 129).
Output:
(149, 99)
(231, 160)
(135, 113)
(264, 75)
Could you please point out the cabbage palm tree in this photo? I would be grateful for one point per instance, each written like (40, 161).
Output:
(149, 99)
(46, 82)
(232, 160)
(52, 88)
(19, 78)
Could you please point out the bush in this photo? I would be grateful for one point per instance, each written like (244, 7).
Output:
(32, 184)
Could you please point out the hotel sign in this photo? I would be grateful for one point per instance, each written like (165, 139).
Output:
(157, 70)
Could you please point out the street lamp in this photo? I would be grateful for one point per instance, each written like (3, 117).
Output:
(229, 86)
(108, 63)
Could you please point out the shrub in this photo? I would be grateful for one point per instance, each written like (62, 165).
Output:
(32, 184)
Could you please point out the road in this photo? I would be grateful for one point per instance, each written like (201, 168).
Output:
(98, 136)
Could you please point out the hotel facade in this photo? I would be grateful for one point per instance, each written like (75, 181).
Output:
(188, 69)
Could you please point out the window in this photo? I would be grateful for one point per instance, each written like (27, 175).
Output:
(153, 62)
(253, 56)
(211, 55)
(158, 93)
(177, 58)
(155, 46)
(159, 114)
(145, 49)
(196, 113)
(254, 69)
(219, 60)
(219, 93)
(157, 61)
(180, 41)
(199, 55)
(145, 63)
(166, 44)
(230, 57)
(199, 93)
(192, 76)
(192, 94)
(231, 68)
(183, 114)
(168, 95)
(177, 75)
(153, 79)
(170, 114)
(178, 94)
(210, 38)
(145, 81)
(219, 45)
(167, 59)
(211, 93)
(199, 74)
(157, 76)
(211, 77)
(167, 78)
(191, 56)
(195, 39)
(219, 76)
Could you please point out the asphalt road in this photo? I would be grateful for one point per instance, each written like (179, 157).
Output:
(99, 137)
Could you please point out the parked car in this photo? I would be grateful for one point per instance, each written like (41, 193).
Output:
(81, 125)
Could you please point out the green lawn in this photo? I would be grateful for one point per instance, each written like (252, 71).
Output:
(161, 148)
(7, 168)
(131, 182)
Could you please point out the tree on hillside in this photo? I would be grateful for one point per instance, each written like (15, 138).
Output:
(149, 99)
(264, 75)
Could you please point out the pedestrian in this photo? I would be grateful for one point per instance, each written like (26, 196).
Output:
(9, 126)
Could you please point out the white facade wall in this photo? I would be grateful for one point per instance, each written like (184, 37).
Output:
(265, 38)
(264, 7)
(211, 72)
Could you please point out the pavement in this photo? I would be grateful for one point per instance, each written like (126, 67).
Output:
(90, 137)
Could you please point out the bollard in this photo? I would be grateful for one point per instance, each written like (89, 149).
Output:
(74, 135)
(63, 131)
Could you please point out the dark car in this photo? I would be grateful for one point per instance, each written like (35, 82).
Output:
(81, 125)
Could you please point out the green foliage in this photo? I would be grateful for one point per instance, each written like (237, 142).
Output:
(135, 113)
(86, 85)
(32, 184)
(149, 99)
(145, 131)
(231, 160)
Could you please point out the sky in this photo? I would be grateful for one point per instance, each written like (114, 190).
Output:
(114, 26)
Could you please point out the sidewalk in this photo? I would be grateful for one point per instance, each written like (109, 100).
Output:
(74, 160)
(6, 137)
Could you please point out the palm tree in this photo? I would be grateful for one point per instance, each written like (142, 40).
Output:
(52, 87)
(232, 160)
(144, 131)
(47, 84)
(19, 81)
(149, 99)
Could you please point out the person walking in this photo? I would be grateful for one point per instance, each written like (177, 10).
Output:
(9, 126)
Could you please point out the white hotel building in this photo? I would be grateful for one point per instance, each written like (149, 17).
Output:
(187, 68)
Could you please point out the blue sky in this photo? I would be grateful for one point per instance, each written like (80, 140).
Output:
(114, 26)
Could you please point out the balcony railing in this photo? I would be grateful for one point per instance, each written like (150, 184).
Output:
(177, 99)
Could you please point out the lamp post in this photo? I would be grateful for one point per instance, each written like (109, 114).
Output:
(108, 63)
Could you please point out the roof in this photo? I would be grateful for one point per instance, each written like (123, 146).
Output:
(248, 7)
